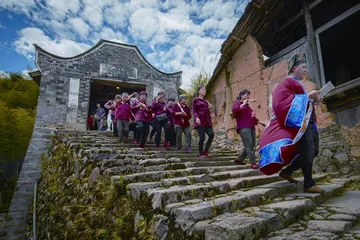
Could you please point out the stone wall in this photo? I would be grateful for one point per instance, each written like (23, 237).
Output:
(15, 226)
(65, 82)
(338, 152)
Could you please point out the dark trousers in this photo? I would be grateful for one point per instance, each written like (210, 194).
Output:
(187, 132)
(153, 130)
(308, 147)
(171, 137)
(248, 139)
(159, 125)
(201, 132)
(142, 129)
(123, 128)
(132, 127)
(114, 127)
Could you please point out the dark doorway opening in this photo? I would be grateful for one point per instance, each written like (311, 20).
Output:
(340, 50)
(105, 90)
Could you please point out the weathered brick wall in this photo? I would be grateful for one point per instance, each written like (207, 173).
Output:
(247, 71)
(106, 61)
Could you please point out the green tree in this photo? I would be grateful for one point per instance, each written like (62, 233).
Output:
(197, 80)
(18, 99)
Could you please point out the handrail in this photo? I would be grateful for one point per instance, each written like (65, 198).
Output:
(34, 212)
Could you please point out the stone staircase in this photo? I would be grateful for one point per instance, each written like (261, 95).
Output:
(213, 198)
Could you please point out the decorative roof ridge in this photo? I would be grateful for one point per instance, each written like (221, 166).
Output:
(97, 45)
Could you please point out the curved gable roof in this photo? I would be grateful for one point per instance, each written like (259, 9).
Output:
(97, 46)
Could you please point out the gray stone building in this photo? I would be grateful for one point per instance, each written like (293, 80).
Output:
(71, 87)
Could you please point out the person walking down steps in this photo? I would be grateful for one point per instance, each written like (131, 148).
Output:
(123, 115)
(182, 115)
(202, 121)
(292, 138)
(142, 113)
(245, 127)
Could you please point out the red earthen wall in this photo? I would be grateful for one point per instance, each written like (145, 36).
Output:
(247, 71)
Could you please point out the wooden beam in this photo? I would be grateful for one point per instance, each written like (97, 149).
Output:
(338, 19)
(287, 49)
(237, 39)
(312, 55)
(321, 63)
(298, 15)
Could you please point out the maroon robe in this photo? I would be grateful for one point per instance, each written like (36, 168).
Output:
(278, 144)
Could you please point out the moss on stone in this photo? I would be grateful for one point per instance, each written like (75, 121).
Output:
(75, 210)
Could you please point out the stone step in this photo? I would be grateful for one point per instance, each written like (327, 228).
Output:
(176, 153)
(158, 175)
(186, 215)
(135, 189)
(163, 196)
(256, 222)
(108, 160)
(335, 218)
(196, 162)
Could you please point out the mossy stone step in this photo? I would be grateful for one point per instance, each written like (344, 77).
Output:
(158, 175)
(186, 215)
(276, 216)
(135, 189)
(161, 197)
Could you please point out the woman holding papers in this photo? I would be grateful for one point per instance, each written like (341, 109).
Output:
(292, 137)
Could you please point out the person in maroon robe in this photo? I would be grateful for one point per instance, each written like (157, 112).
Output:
(202, 121)
(142, 112)
(245, 127)
(291, 137)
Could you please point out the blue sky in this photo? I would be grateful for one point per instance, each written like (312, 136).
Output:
(174, 35)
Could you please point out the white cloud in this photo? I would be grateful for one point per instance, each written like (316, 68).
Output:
(63, 47)
(93, 11)
(59, 9)
(144, 23)
(226, 25)
(210, 24)
(108, 34)
(174, 35)
(4, 74)
(117, 14)
(80, 27)
(18, 6)
(25, 75)
(2, 26)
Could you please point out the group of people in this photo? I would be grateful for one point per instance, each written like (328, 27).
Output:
(290, 137)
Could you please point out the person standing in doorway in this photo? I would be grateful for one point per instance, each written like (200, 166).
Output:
(159, 109)
(111, 105)
(292, 138)
(100, 113)
(123, 115)
(202, 121)
(142, 112)
(182, 115)
(245, 127)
